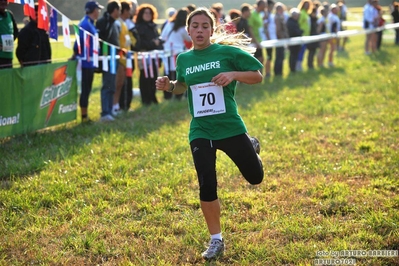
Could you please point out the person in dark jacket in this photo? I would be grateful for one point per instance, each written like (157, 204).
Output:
(150, 40)
(109, 32)
(33, 44)
(312, 47)
(294, 31)
(8, 34)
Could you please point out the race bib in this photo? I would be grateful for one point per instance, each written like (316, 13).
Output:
(207, 99)
(7, 41)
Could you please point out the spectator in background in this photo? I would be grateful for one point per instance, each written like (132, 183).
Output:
(125, 42)
(175, 35)
(380, 23)
(316, 4)
(294, 31)
(8, 34)
(305, 7)
(270, 32)
(231, 26)
(321, 29)
(342, 13)
(395, 18)
(191, 8)
(92, 10)
(220, 17)
(109, 32)
(170, 12)
(333, 26)
(33, 44)
(150, 40)
(127, 91)
(255, 22)
(282, 33)
(370, 16)
(312, 47)
(242, 25)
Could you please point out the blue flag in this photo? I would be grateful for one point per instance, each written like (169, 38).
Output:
(113, 60)
(53, 31)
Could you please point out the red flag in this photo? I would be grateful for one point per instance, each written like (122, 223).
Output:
(26, 10)
(129, 65)
(43, 19)
(17, 1)
(29, 8)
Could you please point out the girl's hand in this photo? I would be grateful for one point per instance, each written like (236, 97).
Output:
(223, 79)
(162, 83)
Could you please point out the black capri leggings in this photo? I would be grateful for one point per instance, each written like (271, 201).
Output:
(238, 148)
(87, 82)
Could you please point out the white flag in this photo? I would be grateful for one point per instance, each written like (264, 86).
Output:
(151, 65)
(66, 32)
(165, 62)
(95, 50)
(105, 63)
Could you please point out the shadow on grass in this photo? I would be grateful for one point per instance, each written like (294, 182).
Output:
(27, 154)
(381, 57)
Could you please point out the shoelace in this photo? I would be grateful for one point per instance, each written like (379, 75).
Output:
(214, 245)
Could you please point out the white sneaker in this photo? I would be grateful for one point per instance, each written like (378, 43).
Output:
(256, 144)
(214, 251)
(116, 112)
(298, 66)
(107, 118)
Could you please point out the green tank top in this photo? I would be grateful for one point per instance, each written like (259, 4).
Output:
(6, 36)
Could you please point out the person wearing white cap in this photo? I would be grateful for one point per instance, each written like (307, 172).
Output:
(92, 10)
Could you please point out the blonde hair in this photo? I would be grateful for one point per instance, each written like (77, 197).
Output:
(310, 6)
(220, 35)
(277, 5)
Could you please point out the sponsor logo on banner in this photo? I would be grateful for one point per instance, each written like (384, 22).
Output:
(61, 86)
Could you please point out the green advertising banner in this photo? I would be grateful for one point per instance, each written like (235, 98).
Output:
(37, 97)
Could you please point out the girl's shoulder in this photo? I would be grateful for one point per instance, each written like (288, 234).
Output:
(185, 54)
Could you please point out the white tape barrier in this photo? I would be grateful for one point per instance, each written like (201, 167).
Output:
(163, 55)
(323, 37)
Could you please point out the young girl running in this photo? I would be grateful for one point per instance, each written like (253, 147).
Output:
(210, 72)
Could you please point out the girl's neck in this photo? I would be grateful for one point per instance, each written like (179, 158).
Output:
(202, 47)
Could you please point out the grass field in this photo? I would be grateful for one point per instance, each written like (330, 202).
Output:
(126, 193)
